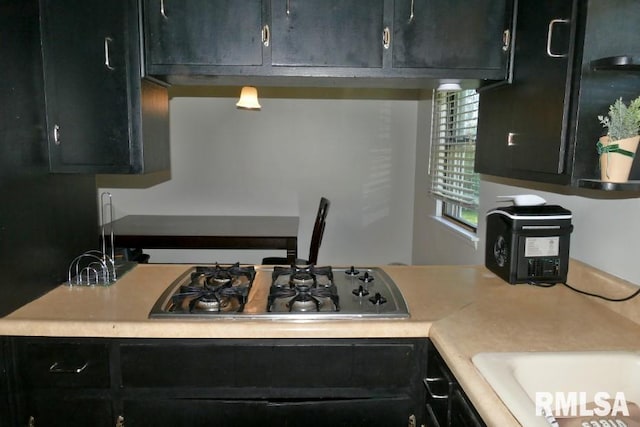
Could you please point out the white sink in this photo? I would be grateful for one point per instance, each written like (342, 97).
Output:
(517, 377)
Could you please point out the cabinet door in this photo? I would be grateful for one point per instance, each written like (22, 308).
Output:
(203, 32)
(58, 410)
(540, 100)
(454, 34)
(327, 33)
(85, 84)
(522, 127)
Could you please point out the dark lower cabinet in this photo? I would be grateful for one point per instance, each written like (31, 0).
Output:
(228, 382)
(60, 382)
(446, 403)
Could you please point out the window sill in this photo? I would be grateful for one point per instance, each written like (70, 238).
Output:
(469, 237)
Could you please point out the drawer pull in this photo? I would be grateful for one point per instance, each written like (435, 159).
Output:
(59, 368)
(427, 383)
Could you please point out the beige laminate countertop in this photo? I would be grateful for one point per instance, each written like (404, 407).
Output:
(463, 309)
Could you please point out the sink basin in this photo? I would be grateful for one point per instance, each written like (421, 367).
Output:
(518, 377)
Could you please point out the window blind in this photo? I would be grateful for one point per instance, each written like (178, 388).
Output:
(453, 147)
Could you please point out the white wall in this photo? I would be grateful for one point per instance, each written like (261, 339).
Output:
(357, 152)
(370, 157)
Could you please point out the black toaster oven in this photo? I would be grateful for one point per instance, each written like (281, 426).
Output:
(528, 244)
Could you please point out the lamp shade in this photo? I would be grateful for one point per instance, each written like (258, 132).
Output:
(248, 98)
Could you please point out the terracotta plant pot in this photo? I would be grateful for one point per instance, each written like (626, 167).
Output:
(615, 165)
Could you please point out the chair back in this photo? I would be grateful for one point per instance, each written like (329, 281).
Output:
(318, 230)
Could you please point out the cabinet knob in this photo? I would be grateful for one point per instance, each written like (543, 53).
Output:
(31, 422)
(511, 139)
(120, 421)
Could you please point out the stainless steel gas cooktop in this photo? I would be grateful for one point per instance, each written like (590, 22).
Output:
(281, 293)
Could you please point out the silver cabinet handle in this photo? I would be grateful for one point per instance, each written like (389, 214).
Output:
(411, 15)
(428, 381)
(552, 24)
(266, 35)
(288, 7)
(58, 368)
(107, 59)
(386, 37)
(506, 40)
(56, 134)
(511, 139)
(163, 12)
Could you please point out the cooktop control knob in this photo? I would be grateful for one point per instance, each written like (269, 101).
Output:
(360, 292)
(377, 299)
(366, 278)
(352, 271)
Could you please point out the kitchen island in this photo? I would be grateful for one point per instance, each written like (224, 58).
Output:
(463, 310)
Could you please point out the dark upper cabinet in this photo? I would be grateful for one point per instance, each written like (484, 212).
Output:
(451, 34)
(543, 126)
(283, 40)
(101, 116)
(203, 32)
(327, 33)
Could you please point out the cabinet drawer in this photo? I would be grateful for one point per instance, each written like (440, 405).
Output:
(309, 364)
(68, 364)
(373, 412)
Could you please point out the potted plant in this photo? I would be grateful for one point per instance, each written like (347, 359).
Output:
(618, 147)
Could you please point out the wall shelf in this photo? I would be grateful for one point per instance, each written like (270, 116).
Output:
(596, 184)
(615, 63)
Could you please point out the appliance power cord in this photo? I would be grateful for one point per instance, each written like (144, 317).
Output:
(550, 285)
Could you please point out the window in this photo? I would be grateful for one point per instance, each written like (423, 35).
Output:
(453, 148)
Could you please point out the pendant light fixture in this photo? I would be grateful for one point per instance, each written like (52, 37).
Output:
(449, 85)
(248, 99)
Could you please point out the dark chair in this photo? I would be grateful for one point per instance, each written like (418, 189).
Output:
(316, 239)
